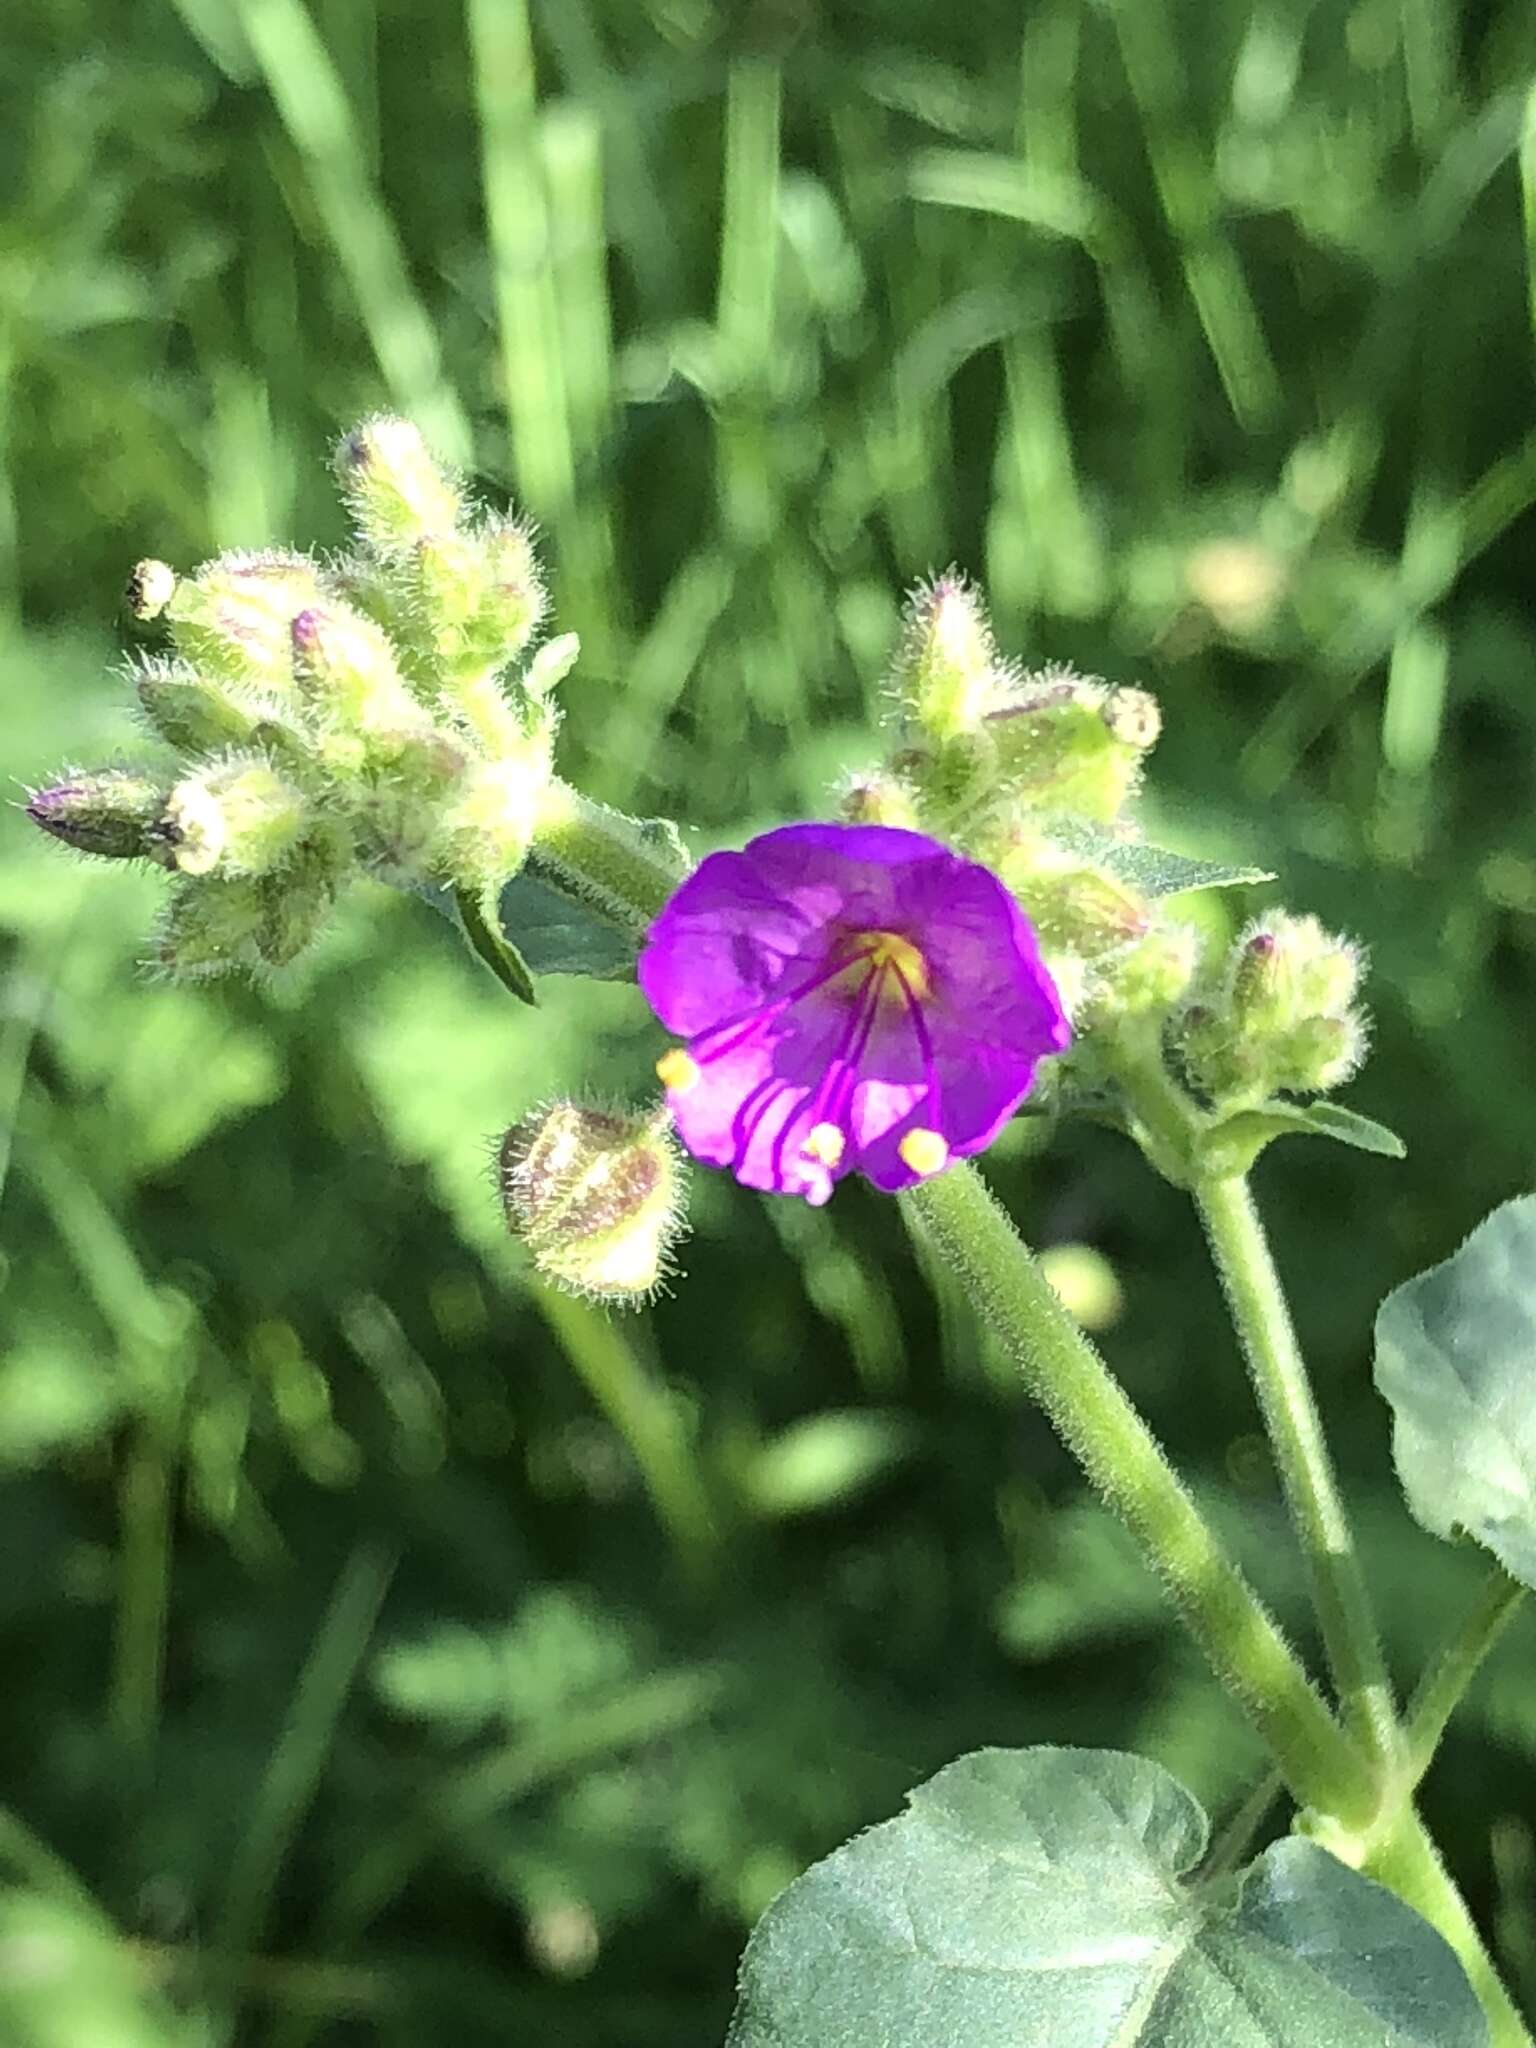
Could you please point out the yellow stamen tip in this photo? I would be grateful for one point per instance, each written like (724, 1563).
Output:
(678, 1071)
(826, 1143)
(924, 1151)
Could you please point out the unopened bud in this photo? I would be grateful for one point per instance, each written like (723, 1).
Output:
(1067, 743)
(1154, 973)
(551, 665)
(245, 924)
(596, 1197)
(878, 799)
(112, 813)
(201, 714)
(346, 669)
(1323, 1053)
(397, 493)
(488, 823)
(1284, 1021)
(232, 618)
(1286, 969)
(239, 817)
(945, 671)
(478, 595)
(151, 585)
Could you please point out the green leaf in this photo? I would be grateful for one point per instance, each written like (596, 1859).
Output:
(1152, 870)
(556, 934)
(1040, 1898)
(1456, 1359)
(494, 948)
(1233, 1145)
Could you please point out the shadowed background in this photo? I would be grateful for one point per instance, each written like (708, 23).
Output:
(396, 1653)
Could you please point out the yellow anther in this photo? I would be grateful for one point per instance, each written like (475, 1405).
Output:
(924, 1151)
(889, 949)
(826, 1143)
(678, 1071)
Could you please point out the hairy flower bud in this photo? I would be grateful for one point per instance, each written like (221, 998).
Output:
(112, 813)
(478, 595)
(596, 1197)
(201, 714)
(878, 799)
(151, 585)
(487, 825)
(232, 617)
(238, 817)
(1068, 743)
(246, 924)
(945, 672)
(396, 492)
(1283, 1019)
(347, 672)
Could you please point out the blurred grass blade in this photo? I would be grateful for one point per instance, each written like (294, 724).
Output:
(293, 1772)
(314, 109)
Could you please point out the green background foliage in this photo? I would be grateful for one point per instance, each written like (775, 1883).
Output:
(395, 1652)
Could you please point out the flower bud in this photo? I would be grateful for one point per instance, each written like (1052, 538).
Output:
(232, 618)
(151, 585)
(1071, 905)
(945, 672)
(347, 672)
(1282, 1021)
(1152, 974)
(487, 825)
(113, 813)
(551, 665)
(479, 595)
(878, 799)
(596, 1196)
(200, 714)
(245, 924)
(1067, 743)
(238, 817)
(396, 493)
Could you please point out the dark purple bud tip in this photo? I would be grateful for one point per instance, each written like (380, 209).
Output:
(305, 631)
(1262, 946)
(112, 814)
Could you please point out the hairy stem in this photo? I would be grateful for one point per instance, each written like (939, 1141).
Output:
(1441, 1689)
(1263, 1324)
(1407, 1861)
(1117, 1451)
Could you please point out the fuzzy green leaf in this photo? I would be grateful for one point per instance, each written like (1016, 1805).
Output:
(1040, 1898)
(1456, 1359)
(556, 934)
(1152, 870)
(1233, 1145)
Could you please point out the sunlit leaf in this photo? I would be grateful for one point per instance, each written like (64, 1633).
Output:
(1042, 1898)
(1456, 1358)
(1236, 1143)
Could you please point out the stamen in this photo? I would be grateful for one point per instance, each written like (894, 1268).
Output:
(924, 1151)
(678, 1071)
(826, 1143)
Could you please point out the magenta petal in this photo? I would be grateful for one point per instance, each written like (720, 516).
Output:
(782, 965)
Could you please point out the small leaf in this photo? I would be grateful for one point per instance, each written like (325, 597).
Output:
(1456, 1359)
(1039, 1898)
(826, 1459)
(558, 935)
(1152, 870)
(494, 948)
(1234, 1144)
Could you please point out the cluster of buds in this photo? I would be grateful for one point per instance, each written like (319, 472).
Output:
(1035, 774)
(596, 1196)
(1281, 1019)
(377, 712)
(1032, 773)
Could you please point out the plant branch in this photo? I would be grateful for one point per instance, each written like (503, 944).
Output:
(1262, 1319)
(1123, 1460)
(1445, 1682)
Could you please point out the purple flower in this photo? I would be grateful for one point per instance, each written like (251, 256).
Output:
(854, 998)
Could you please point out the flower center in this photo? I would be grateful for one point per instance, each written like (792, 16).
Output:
(877, 951)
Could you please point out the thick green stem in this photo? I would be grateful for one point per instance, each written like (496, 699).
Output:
(1408, 1863)
(623, 870)
(1263, 1323)
(1121, 1457)
(1443, 1685)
